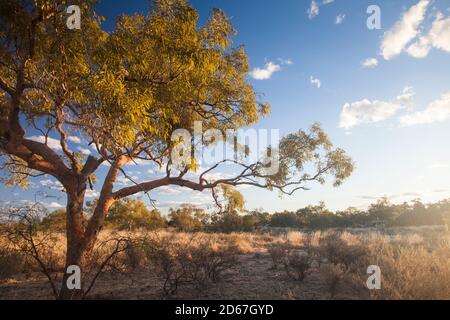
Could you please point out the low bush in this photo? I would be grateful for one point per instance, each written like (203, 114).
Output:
(195, 261)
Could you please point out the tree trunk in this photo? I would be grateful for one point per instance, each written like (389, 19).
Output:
(81, 240)
(74, 245)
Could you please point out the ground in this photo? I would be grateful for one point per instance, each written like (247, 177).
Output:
(254, 275)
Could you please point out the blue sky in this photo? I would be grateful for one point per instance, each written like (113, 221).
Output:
(384, 95)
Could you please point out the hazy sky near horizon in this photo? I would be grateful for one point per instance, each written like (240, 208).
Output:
(381, 95)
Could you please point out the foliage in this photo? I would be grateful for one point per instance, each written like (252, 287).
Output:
(188, 218)
(194, 261)
(381, 213)
(130, 214)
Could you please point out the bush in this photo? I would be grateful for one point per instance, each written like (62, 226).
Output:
(284, 220)
(55, 220)
(11, 263)
(229, 222)
(194, 261)
(188, 218)
(132, 214)
(410, 272)
(278, 253)
(338, 252)
(297, 263)
(206, 263)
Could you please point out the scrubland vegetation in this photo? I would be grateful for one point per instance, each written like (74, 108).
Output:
(131, 214)
(146, 261)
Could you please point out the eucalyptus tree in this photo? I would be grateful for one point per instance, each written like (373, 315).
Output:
(123, 93)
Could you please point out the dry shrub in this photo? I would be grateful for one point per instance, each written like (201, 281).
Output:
(297, 263)
(241, 241)
(296, 237)
(43, 249)
(267, 238)
(11, 263)
(278, 253)
(206, 262)
(334, 274)
(410, 272)
(338, 251)
(166, 257)
(196, 261)
(345, 255)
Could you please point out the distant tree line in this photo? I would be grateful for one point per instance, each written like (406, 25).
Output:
(133, 214)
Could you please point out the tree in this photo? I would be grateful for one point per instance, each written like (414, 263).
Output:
(384, 211)
(55, 220)
(128, 214)
(285, 219)
(124, 93)
(260, 217)
(188, 218)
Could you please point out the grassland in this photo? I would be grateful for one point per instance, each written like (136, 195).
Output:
(275, 264)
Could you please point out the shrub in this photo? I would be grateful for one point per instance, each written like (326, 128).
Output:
(188, 218)
(298, 264)
(284, 219)
(278, 253)
(410, 272)
(55, 220)
(11, 263)
(208, 263)
(338, 252)
(194, 261)
(228, 222)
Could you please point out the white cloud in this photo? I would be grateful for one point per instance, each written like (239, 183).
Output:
(139, 162)
(438, 37)
(52, 184)
(214, 176)
(92, 194)
(370, 63)
(168, 190)
(313, 10)
(406, 98)
(366, 111)
(440, 33)
(53, 205)
(84, 151)
(285, 61)
(436, 111)
(52, 143)
(315, 82)
(266, 72)
(420, 48)
(340, 19)
(177, 204)
(74, 139)
(126, 180)
(404, 31)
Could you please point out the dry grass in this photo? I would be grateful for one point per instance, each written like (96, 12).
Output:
(415, 264)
